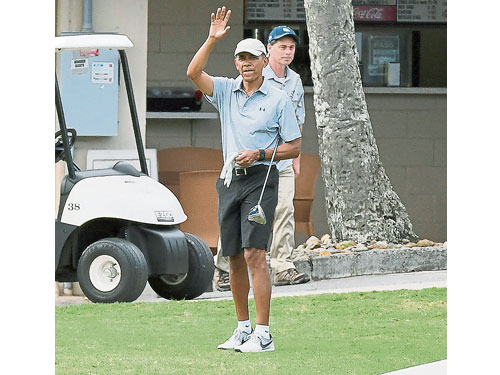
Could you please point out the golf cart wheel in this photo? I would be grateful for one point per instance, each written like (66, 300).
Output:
(192, 284)
(112, 270)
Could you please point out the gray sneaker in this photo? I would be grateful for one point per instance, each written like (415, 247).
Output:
(290, 277)
(256, 344)
(222, 280)
(238, 338)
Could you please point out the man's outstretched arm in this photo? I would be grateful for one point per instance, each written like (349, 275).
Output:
(218, 28)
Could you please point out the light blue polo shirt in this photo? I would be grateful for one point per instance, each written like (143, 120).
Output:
(291, 84)
(250, 123)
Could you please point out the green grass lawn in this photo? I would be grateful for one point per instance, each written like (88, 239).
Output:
(352, 333)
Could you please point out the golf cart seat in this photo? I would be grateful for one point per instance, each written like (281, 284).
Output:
(121, 168)
(59, 147)
(305, 185)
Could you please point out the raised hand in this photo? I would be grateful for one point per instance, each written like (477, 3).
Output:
(218, 24)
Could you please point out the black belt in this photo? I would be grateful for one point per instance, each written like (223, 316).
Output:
(250, 170)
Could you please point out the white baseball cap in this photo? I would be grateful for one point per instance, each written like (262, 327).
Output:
(250, 45)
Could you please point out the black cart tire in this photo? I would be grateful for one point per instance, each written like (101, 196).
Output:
(193, 283)
(112, 270)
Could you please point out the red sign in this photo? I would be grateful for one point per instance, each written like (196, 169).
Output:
(371, 13)
(89, 52)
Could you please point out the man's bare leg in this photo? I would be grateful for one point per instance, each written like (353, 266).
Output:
(240, 285)
(256, 260)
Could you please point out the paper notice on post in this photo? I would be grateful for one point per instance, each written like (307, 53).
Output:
(103, 72)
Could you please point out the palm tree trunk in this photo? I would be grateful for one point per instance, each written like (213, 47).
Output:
(361, 203)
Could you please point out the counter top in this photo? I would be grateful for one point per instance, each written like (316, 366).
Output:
(397, 90)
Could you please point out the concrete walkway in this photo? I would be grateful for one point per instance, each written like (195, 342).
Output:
(396, 281)
(433, 368)
(414, 280)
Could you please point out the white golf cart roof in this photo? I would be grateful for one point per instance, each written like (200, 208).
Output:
(83, 41)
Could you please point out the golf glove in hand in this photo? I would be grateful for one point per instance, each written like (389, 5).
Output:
(227, 169)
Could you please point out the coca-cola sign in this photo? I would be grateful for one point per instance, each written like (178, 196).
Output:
(371, 13)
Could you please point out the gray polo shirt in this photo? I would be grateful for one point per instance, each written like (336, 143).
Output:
(250, 123)
(291, 84)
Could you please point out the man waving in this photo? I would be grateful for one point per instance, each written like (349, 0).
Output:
(254, 116)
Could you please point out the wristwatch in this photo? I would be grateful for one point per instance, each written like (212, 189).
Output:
(262, 155)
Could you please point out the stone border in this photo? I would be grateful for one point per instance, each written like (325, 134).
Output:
(374, 262)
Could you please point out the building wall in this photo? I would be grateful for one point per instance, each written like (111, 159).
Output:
(410, 130)
(177, 28)
(129, 17)
(409, 124)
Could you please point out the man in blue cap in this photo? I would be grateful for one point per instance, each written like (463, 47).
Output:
(281, 50)
(255, 118)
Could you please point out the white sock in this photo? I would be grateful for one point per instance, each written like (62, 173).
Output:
(262, 330)
(245, 326)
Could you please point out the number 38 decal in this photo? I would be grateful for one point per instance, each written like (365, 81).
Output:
(73, 206)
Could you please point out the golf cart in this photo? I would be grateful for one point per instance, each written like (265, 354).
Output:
(117, 228)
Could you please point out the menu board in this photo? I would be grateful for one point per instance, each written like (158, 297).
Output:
(276, 10)
(373, 2)
(422, 11)
(415, 11)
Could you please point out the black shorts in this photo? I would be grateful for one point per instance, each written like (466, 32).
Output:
(235, 201)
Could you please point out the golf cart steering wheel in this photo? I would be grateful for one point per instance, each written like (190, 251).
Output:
(59, 143)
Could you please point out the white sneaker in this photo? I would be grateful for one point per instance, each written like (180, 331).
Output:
(239, 337)
(255, 344)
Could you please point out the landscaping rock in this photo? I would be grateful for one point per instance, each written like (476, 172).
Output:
(425, 243)
(360, 247)
(321, 259)
(381, 245)
(326, 241)
(312, 242)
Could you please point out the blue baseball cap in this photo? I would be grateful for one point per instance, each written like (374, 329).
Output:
(281, 31)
